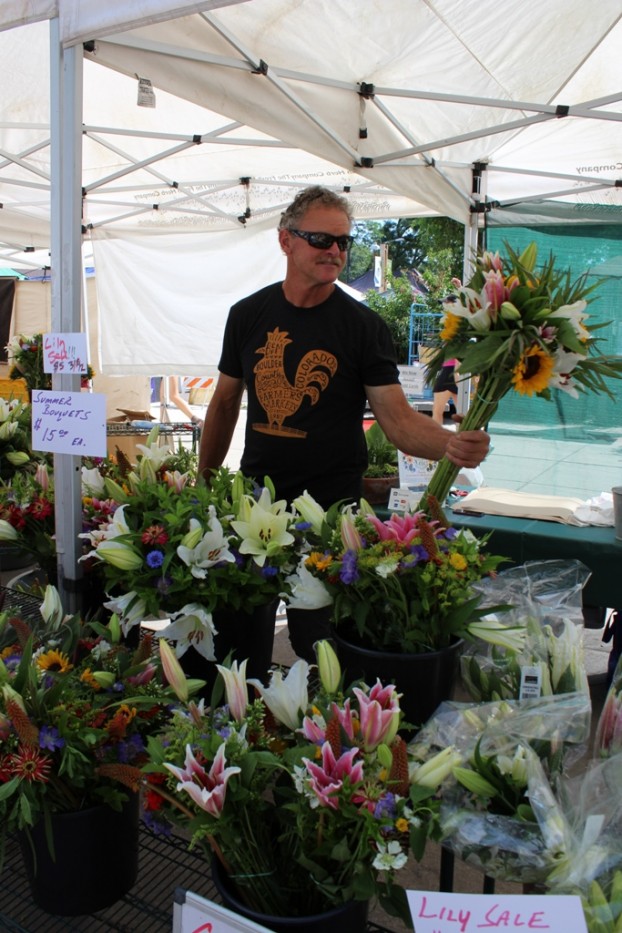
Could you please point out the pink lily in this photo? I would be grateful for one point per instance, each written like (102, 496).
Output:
(144, 677)
(345, 718)
(379, 713)
(42, 477)
(207, 789)
(495, 290)
(400, 528)
(326, 780)
(173, 671)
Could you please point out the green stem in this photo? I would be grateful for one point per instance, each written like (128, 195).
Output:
(490, 391)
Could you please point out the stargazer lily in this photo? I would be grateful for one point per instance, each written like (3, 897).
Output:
(287, 699)
(326, 780)
(207, 789)
(264, 528)
(379, 713)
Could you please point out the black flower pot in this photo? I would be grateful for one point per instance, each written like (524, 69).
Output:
(423, 679)
(350, 917)
(95, 859)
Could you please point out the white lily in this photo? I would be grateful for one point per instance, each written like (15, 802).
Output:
(236, 690)
(567, 657)
(155, 455)
(264, 528)
(287, 699)
(475, 309)
(305, 590)
(310, 511)
(211, 549)
(130, 608)
(575, 314)
(51, 608)
(119, 555)
(92, 482)
(192, 627)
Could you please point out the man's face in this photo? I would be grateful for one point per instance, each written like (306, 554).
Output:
(307, 264)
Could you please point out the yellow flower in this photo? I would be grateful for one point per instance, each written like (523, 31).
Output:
(401, 825)
(458, 561)
(319, 560)
(54, 661)
(533, 371)
(451, 324)
(87, 678)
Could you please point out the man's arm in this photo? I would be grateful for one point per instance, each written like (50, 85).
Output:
(418, 435)
(220, 421)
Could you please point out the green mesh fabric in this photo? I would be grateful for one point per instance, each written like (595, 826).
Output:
(590, 418)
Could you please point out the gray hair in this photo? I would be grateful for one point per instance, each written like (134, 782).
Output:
(309, 197)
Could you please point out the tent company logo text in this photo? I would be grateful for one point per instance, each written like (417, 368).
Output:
(597, 169)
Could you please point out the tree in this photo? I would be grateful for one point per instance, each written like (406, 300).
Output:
(394, 309)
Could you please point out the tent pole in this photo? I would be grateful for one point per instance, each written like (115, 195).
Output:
(66, 282)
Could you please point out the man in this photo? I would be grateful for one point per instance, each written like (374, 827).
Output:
(310, 357)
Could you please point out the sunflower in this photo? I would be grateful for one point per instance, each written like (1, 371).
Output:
(451, 325)
(533, 371)
(54, 662)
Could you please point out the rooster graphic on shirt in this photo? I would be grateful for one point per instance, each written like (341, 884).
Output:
(276, 394)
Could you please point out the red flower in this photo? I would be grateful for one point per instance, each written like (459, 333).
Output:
(29, 764)
(40, 508)
(154, 534)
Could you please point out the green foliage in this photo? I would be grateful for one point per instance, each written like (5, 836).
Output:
(381, 453)
(394, 309)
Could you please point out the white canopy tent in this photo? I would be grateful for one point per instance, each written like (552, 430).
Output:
(482, 112)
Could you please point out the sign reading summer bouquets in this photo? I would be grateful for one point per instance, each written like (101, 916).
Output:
(195, 914)
(65, 353)
(69, 422)
(439, 912)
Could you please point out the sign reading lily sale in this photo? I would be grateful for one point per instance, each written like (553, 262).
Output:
(438, 912)
(69, 422)
(65, 353)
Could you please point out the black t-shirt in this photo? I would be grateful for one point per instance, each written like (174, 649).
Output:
(305, 370)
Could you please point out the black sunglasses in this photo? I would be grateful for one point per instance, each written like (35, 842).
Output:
(324, 240)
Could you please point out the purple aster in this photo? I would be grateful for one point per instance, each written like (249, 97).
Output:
(302, 526)
(385, 808)
(155, 823)
(130, 749)
(349, 572)
(155, 559)
(50, 739)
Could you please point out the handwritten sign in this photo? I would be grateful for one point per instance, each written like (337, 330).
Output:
(195, 914)
(438, 912)
(412, 380)
(69, 422)
(65, 353)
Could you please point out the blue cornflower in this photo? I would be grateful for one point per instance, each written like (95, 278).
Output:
(268, 572)
(50, 738)
(385, 808)
(302, 526)
(349, 571)
(130, 749)
(155, 559)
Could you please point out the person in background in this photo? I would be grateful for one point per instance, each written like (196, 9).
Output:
(171, 385)
(445, 388)
(310, 358)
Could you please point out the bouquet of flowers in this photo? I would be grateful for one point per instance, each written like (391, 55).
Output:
(546, 597)
(405, 584)
(76, 707)
(172, 549)
(522, 328)
(307, 802)
(26, 360)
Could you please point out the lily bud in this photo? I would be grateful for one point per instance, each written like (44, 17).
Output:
(474, 782)
(528, 257)
(509, 312)
(7, 532)
(42, 476)
(119, 555)
(192, 537)
(115, 491)
(52, 609)
(432, 773)
(385, 756)
(173, 671)
(17, 457)
(105, 679)
(310, 511)
(328, 665)
(349, 534)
